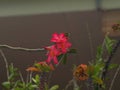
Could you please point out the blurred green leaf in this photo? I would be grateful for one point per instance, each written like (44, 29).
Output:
(6, 85)
(67, 34)
(112, 66)
(97, 80)
(109, 44)
(72, 51)
(64, 59)
(60, 57)
(99, 53)
(55, 87)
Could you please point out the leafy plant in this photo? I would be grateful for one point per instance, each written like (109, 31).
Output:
(39, 74)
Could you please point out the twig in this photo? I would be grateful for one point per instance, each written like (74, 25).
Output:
(73, 81)
(76, 87)
(49, 77)
(21, 77)
(31, 76)
(69, 84)
(113, 80)
(90, 41)
(60, 60)
(52, 72)
(27, 80)
(6, 63)
(21, 48)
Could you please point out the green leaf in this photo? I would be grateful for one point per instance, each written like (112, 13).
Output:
(44, 68)
(46, 86)
(36, 80)
(12, 72)
(64, 59)
(55, 87)
(34, 86)
(60, 57)
(99, 53)
(98, 67)
(90, 70)
(72, 51)
(74, 67)
(67, 34)
(109, 44)
(6, 85)
(97, 80)
(112, 66)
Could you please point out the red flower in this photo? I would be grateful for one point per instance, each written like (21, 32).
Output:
(61, 42)
(63, 46)
(52, 54)
(58, 38)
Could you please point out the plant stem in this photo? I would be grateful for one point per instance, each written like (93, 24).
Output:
(109, 60)
(90, 41)
(69, 84)
(31, 77)
(113, 80)
(27, 80)
(76, 87)
(21, 77)
(6, 63)
(60, 60)
(21, 48)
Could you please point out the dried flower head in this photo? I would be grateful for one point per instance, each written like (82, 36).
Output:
(80, 72)
(33, 69)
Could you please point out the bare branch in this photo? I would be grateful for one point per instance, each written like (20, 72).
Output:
(113, 80)
(21, 48)
(6, 63)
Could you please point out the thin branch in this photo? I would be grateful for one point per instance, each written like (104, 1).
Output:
(21, 77)
(50, 75)
(74, 83)
(6, 63)
(113, 80)
(27, 80)
(21, 48)
(31, 76)
(90, 41)
(69, 84)
(76, 87)
(60, 60)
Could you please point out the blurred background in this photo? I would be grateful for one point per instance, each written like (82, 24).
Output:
(30, 24)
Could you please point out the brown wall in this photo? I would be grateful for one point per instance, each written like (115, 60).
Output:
(35, 32)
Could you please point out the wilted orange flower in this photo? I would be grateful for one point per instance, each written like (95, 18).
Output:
(33, 69)
(43, 63)
(80, 72)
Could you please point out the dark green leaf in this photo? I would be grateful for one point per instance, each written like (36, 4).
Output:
(64, 59)
(72, 51)
(6, 85)
(60, 57)
(112, 66)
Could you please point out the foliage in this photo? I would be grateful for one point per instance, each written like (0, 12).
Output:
(40, 72)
